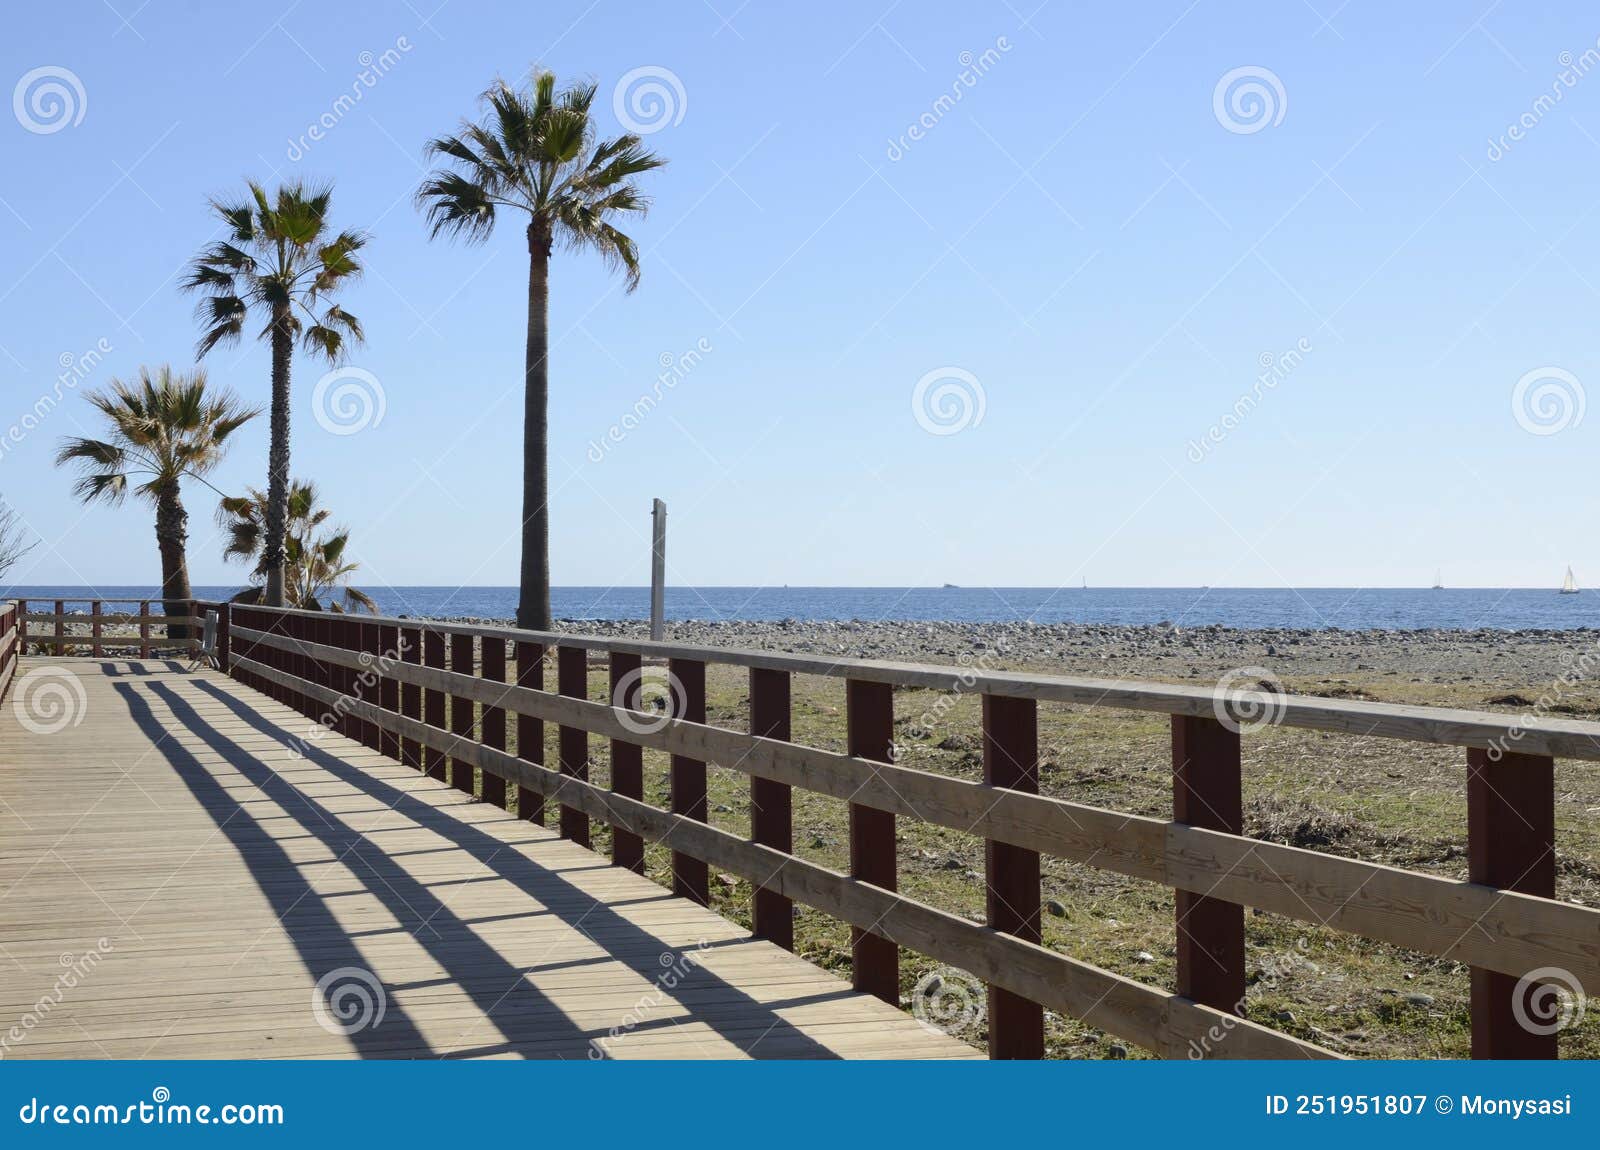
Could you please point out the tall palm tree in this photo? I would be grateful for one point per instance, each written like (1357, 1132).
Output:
(315, 566)
(536, 152)
(281, 260)
(162, 429)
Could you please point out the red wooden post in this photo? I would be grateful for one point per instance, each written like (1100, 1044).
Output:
(433, 701)
(330, 632)
(530, 731)
(691, 878)
(144, 628)
(367, 684)
(94, 628)
(411, 694)
(1207, 792)
(289, 661)
(627, 759)
(1011, 760)
(461, 775)
(61, 628)
(572, 679)
(388, 685)
(354, 642)
(224, 639)
(771, 803)
(1511, 844)
(493, 722)
(292, 660)
(869, 710)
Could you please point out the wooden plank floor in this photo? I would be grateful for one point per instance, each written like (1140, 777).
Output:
(175, 883)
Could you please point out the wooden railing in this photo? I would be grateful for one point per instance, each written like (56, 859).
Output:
(64, 631)
(384, 682)
(10, 643)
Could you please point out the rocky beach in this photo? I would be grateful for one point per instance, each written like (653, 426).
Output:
(1469, 667)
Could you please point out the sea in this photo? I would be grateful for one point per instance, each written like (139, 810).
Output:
(1346, 608)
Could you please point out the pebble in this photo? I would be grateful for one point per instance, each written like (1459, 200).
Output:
(1149, 651)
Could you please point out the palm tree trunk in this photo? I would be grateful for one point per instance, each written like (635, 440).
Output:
(172, 538)
(533, 607)
(278, 458)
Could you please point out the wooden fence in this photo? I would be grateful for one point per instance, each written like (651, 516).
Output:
(61, 631)
(10, 643)
(385, 681)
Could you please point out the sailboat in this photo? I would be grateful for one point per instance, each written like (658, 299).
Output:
(1438, 580)
(1569, 585)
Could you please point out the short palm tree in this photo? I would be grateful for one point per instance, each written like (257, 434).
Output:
(281, 260)
(162, 429)
(315, 568)
(536, 152)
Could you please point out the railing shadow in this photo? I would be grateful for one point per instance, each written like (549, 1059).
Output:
(523, 1014)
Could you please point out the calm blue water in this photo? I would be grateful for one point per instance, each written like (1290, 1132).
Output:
(1244, 607)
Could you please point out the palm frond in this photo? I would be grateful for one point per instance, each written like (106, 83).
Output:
(535, 149)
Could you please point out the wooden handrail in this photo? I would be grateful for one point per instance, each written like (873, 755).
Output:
(1561, 738)
(1153, 1018)
(1468, 922)
(11, 633)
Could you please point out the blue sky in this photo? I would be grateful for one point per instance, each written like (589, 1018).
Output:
(1094, 248)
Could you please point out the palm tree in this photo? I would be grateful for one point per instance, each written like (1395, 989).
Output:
(314, 562)
(280, 260)
(536, 151)
(164, 428)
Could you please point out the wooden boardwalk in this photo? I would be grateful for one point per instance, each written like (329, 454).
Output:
(176, 882)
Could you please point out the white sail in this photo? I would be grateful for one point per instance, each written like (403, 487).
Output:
(1569, 585)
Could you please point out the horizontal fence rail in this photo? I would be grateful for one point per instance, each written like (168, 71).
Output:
(1502, 927)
